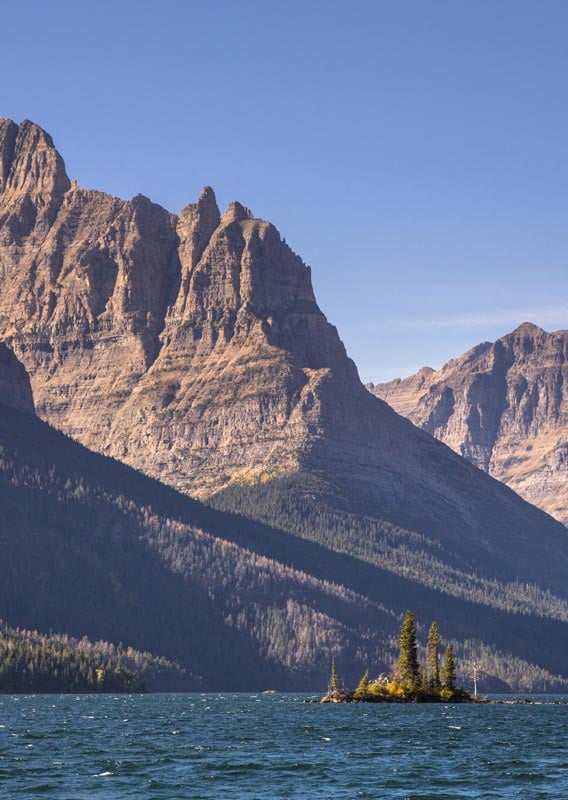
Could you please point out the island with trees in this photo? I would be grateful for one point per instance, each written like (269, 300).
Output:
(410, 682)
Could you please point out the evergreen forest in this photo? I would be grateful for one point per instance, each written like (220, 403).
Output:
(32, 662)
(95, 549)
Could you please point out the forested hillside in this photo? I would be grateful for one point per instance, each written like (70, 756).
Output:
(34, 662)
(97, 549)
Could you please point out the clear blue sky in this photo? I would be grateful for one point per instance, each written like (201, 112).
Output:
(414, 153)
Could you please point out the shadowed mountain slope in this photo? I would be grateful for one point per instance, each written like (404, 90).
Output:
(93, 547)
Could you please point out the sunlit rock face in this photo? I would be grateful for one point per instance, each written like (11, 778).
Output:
(190, 346)
(502, 405)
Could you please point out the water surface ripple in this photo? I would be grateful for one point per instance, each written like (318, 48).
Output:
(276, 747)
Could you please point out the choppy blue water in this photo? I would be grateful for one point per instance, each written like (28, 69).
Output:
(231, 747)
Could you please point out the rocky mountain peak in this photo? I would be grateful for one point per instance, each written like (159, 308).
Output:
(195, 227)
(504, 406)
(15, 388)
(162, 318)
(33, 180)
(205, 207)
(236, 213)
(31, 164)
(207, 200)
(527, 329)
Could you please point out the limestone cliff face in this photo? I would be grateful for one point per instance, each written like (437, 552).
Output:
(15, 389)
(504, 406)
(86, 282)
(189, 347)
(192, 348)
(242, 347)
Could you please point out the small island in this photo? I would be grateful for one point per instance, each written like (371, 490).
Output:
(410, 682)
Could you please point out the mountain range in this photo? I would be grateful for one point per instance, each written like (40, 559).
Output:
(502, 405)
(192, 349)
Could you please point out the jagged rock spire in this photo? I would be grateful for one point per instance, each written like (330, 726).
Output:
(29, 161)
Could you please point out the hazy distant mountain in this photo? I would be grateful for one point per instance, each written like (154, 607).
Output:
(502, 405)
(193, 349)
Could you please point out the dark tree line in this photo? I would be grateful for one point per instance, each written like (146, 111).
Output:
(431, 680)
(31, 662)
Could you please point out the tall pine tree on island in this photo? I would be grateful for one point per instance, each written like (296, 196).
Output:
(433, 658)
(409, 683)
(362, 689)
(408, 666)
(449, 671)
(333, 679)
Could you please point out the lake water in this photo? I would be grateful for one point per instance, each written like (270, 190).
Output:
(231, 747)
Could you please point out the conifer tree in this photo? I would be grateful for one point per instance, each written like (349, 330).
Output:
(363, 687)
(408, 665)
(334, 680)
(449, 670)
(433, 658)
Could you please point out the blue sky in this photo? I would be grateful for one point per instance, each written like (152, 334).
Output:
(413, 152)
